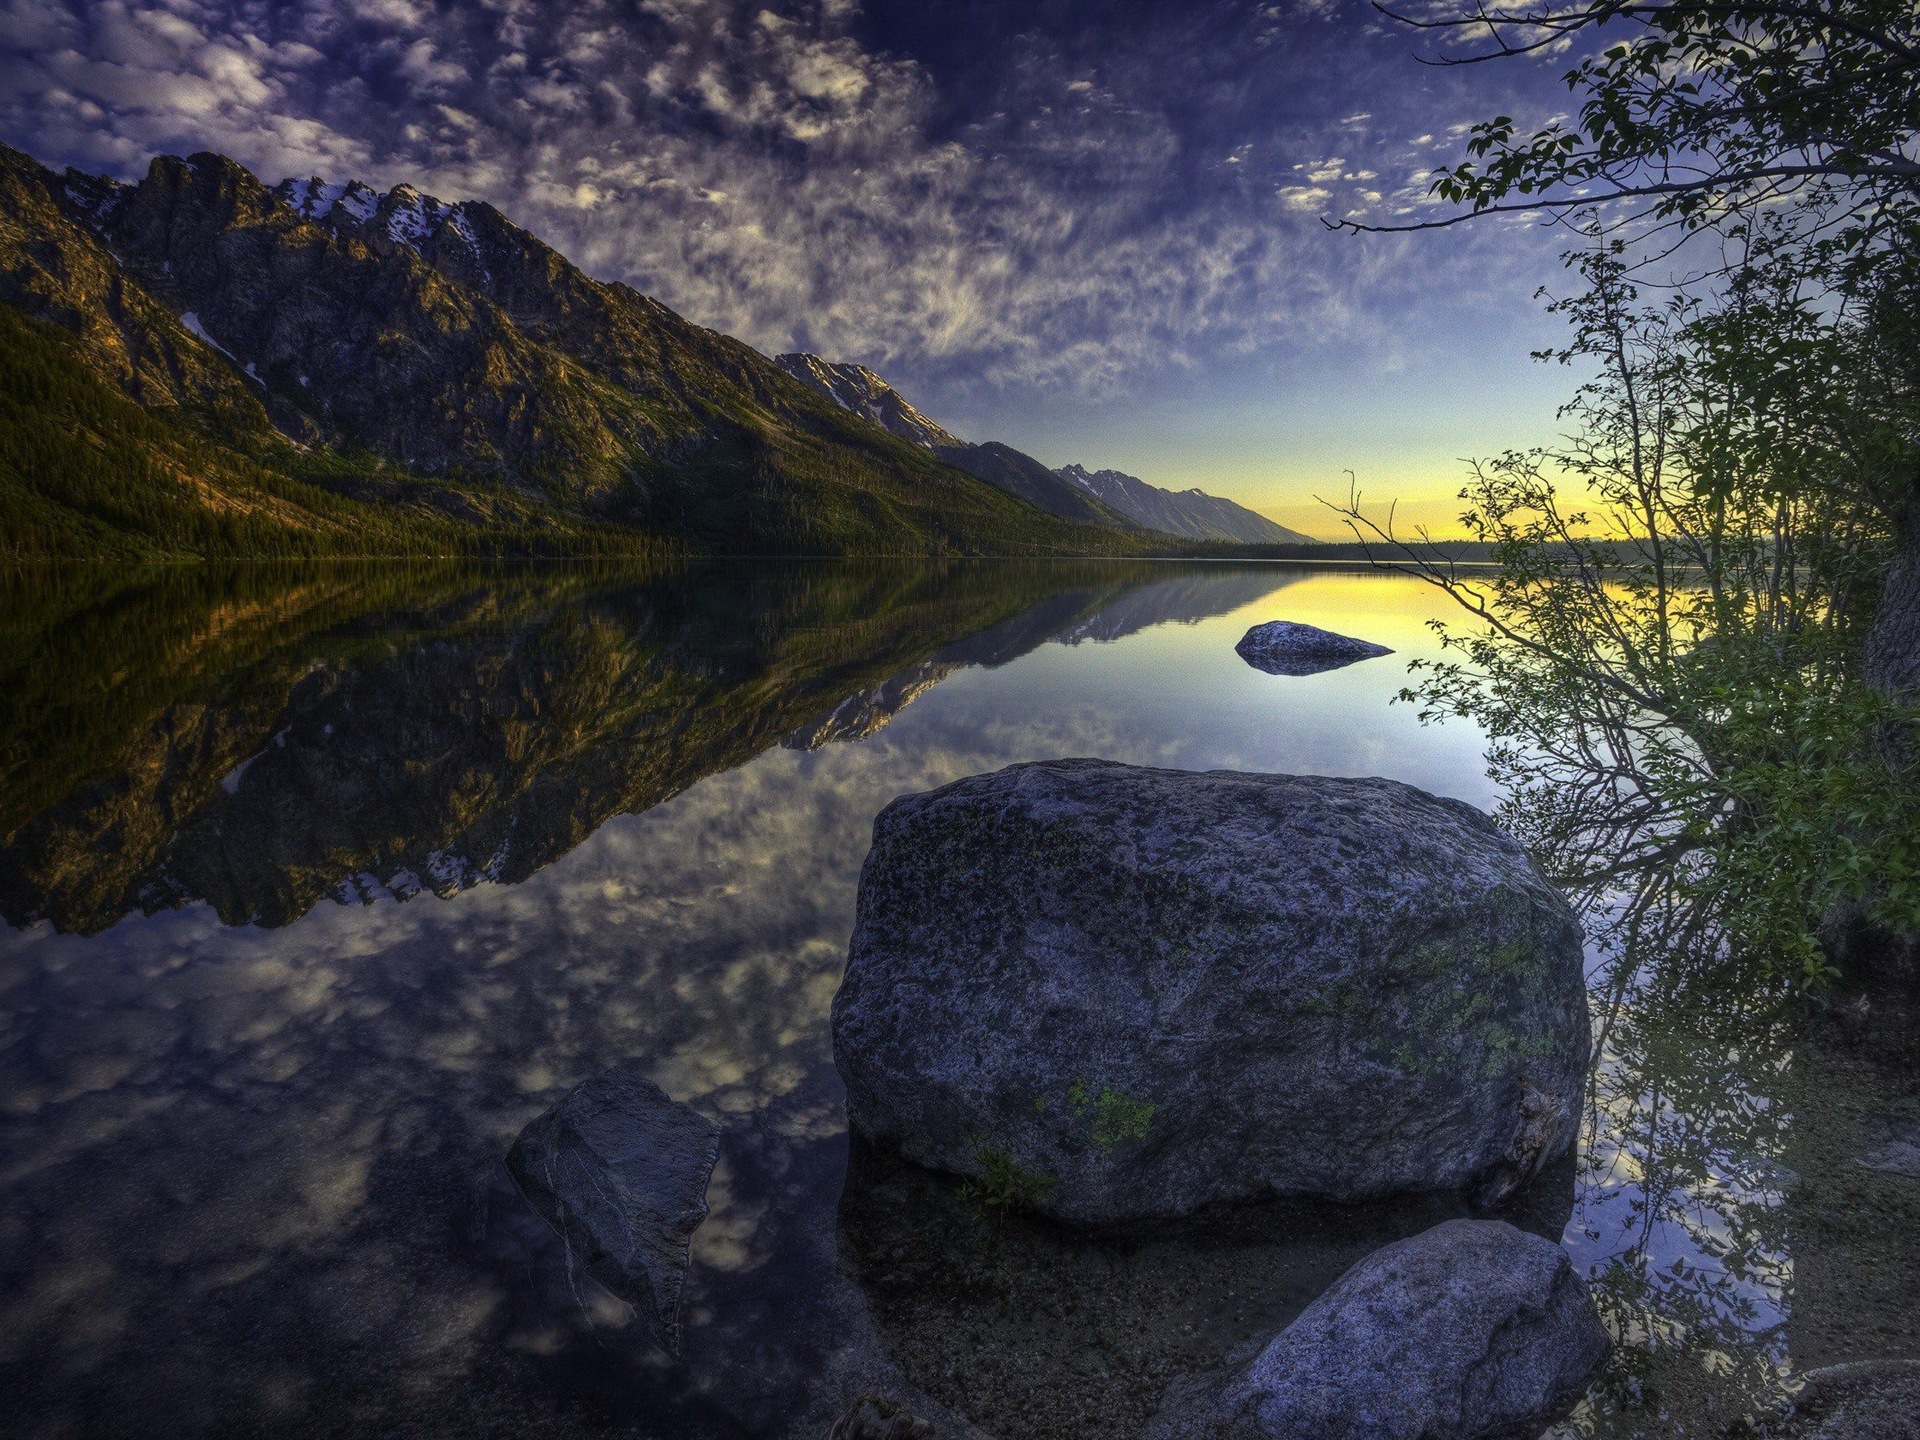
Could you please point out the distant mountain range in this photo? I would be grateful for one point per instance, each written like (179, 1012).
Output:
(1099, 497)
(1192, 513)
(201, 364)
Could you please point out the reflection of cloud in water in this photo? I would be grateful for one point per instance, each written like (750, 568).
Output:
(252, 1176)
(268, 1160)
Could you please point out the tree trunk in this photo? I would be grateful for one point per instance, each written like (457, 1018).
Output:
(1855, 942)
(1892, 660)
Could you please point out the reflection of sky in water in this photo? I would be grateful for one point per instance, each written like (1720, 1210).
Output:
(252, 1175)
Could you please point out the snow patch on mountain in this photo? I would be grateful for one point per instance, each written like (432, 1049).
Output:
(856, 388)
(403, 214)
(412, 217)
(199, 332)
(317, 199)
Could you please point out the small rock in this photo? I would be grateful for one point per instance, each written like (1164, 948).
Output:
(621, 1170)
(1010, 1318)
(1899, 1150)
(1768, 1174)
(1864, 1400)
(1468, 1331)
(874, 1417)
(1109, 993)
(1286, 647)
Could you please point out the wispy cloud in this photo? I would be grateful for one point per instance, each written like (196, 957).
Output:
(1086, 217)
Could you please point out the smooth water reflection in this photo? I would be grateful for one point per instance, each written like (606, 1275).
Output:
(320, 887)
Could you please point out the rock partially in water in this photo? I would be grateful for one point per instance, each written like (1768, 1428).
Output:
(1860, 1400)
(875, 1417)
(1034, 1329)
(1468, 1331)
(621, 1171)
(1111, 993)
(1897, 1147)
(1286, 647)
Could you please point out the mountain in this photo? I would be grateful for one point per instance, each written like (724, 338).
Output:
(215, 364)
(1192, 513)
(1020, 474)
(1102, 497)
(858, 389)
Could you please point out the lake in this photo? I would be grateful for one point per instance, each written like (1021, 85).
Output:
(320, 885)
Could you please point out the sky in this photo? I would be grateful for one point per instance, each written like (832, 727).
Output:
(1092, 230)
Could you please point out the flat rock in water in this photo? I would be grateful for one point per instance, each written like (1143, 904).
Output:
(621, 1170)
(1468, 1331)
(1286, 647)
(1110, 993)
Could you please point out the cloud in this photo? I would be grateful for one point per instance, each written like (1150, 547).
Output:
(1063, 219)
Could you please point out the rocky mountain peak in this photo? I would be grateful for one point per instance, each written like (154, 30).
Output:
(317, 199)
(412, 352)
(404, 215)
(856, 388)
(93, 195)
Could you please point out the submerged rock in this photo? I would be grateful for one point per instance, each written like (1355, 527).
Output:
(1286, 647)
(1898, 1149)
(875, 1417)
(1110, 993)
(1860, 1400)
(1030, 1328)
(621, 1172)
(1468, 1331)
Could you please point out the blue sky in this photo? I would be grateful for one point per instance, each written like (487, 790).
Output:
(1092, 230)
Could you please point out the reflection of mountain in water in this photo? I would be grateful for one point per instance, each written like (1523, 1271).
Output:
(1185, 599)
(262, 742)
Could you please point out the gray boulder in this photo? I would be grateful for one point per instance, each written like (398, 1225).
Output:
(1110, 993)
(1468, 1331)
(621, 1172)
(1286, 647)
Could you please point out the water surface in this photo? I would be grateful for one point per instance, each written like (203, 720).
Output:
(319, 886)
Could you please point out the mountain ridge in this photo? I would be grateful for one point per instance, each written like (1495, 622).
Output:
(1118, 501)
(862, 391)
(406, 357)
(1193, 513)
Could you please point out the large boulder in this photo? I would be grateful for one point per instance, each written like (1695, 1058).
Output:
(1111, 993)
(621, 1171)
(1286, 647)
(1468, 1331)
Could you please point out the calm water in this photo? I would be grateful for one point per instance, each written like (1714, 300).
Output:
(319, 887)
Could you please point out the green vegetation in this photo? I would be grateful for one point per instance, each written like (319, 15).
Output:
(86, 474)
(1672, 657)
(1003, 1184)
(1117, 1116)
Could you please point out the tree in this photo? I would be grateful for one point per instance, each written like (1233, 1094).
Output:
(1788, 127)
(1703, 113)
(1670, 670)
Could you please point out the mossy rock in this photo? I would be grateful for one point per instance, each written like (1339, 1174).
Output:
(1162, 990)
